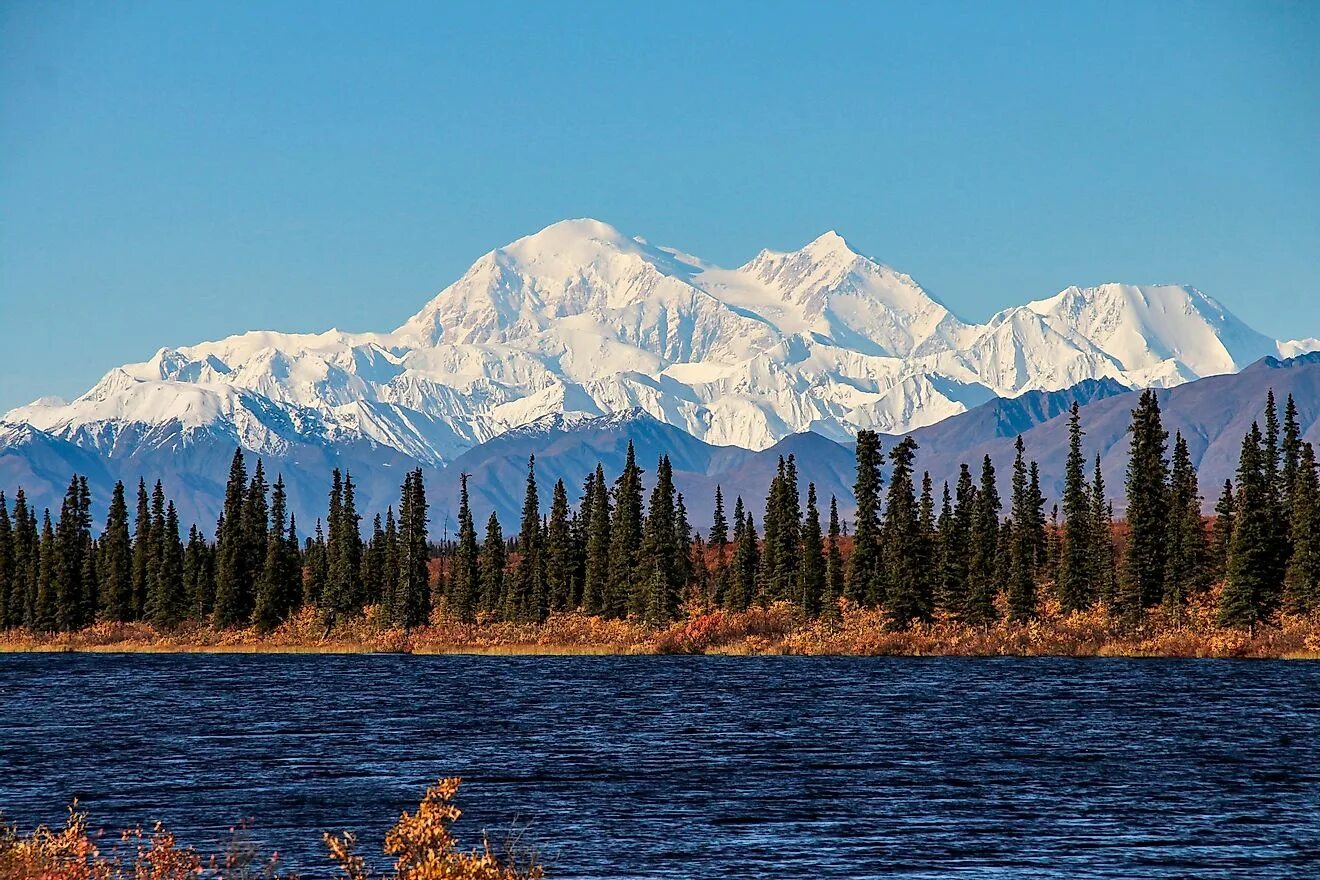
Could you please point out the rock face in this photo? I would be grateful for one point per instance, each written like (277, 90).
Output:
(580, 321)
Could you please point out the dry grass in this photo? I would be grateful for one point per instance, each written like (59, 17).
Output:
(779, 629)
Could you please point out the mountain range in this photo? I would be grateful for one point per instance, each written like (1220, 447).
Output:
(570, 340)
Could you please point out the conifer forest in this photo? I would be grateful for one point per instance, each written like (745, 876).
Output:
(612, 550)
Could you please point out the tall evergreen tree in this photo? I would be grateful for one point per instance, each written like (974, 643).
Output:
(465, 576)
(27, 560)
(233, 571)
(492, 564)
(1247, 587)
(1186, 544)
(256, 525)
(956, 546)
(1142, 583)
(318, 566)
(1275, 503)
(903, 556)
(656, 574)
(1022, 551)
(1301, 585)
(983, 570)
(560, 565)
(198, 578)
(864, 581)
(625, 537)
(167, 602)
(811, 578)
(1223, 532)
(525, 596)
(46, 613)
(719, 545)
(10, 598)
(1290, 451)
(596, 585)
(116, 560)
(278, 589)
(742, 580)
(834, 570)
(142, 549)
(71, 542)
(412, 605)
(1076, 572)
(1103, 554)
(684, 569)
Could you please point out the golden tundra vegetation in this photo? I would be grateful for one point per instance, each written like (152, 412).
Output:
(421, 843)
(779, 629)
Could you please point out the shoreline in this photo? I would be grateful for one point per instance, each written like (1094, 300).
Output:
(774, 631)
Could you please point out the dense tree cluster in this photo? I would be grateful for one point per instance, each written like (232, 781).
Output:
(618, 551)
(54, 576)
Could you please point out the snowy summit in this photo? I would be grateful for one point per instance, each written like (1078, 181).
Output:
(583, 320)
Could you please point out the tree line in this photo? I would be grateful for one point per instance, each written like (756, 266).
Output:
(617, 552)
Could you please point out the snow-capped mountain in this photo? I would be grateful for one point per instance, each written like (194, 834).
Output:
(582, 319)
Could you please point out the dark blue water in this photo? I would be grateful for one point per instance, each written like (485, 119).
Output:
(696, 767)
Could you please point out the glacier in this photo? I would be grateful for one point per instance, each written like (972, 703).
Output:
(581, 320)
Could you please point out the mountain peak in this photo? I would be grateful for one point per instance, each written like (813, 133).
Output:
(830, 244)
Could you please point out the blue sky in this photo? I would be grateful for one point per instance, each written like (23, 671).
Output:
(172, 172)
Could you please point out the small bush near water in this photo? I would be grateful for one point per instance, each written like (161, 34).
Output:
(422, 844)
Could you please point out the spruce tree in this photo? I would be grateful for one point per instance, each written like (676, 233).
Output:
(1022, 550)
(71, 542)
(864, 581)
(1076, 571)
(256, 524)
(560, 567)
(155, 550)
(233, 574)
(27, 559)
(684, 570)
(811, 577)
(1102, 553)
(930, 560)
(465, 577)
(525, 597)
(1274, 504)
(198, 579)
(904, 601)
(275, 588)
(316, 570)
(10, 598)
(412, 607)
(718, 542)
(656, 572)
(748, 560)
(1290, 451)
(492, 565)
(833, 563)
(46, 613)
(983, 569)
(1223, 532)
(1142, 583)
(1187, 554)
(625, 537)
(1246, 586)
(116, 561)
(1301, 585)
(141, 550)
(167, 602)
(596, 586)
(956, 545)
(742, 580)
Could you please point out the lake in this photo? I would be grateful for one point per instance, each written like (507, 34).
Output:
(695, 767)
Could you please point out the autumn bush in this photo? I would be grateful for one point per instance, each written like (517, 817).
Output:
(422, 843)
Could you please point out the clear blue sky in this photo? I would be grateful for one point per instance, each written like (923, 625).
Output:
(179, 171)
